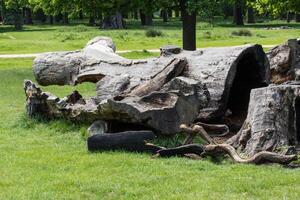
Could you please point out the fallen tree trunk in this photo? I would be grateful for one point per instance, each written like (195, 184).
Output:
(160, 93)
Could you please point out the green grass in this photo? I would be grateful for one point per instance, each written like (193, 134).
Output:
(43, 38)
(49, 160)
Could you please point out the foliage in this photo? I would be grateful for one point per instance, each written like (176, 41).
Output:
(242, 32)
(276, 7)
(153, 33)
(44, 38)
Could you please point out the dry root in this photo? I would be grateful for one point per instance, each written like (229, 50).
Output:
(214, 149)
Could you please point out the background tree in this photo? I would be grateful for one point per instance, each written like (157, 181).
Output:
(16, 6)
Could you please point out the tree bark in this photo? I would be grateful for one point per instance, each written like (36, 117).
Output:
(289, 17)
(92, 21)
(66, 18)
(51, 20)
(80, 14)
(58, 18)
(18, 19)
(188, 28)
(177, 13)
(146, 18)
(272, 122)
(164, 15)
(170, 12)
(113, 22)
(297, 17)
(160, 93)
(2, 11)
(285, 62)
(238, 13)
(135, 15)
(251, 18)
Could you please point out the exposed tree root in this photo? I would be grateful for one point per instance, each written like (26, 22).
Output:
(214, 149)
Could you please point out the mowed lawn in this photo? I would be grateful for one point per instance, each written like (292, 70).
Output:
(44, 38)
(49, 160)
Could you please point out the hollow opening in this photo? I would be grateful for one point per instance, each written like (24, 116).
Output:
(117, 126)
(248, 76)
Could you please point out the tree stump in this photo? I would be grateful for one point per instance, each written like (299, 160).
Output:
(273, 120)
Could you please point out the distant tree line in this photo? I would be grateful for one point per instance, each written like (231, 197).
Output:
(111, 13)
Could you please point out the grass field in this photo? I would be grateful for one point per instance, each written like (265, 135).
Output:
(49, 160)
(43, 38)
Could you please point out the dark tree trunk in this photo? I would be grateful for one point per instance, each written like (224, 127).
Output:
(170, 13)
(125, 15)
(297, 17)
(146, 19)
(135, 15)
(1, 14)
(28, 16)
(113, 22)
(40, 15)
(80, 14)
(58, 18)
(188, 27)
(2, 10)
(227, 10)
(92, 20)
(238, 13)
(164, 15)
(51, 20)
(289, 17)
(18, 19)
(251, 18)
(143, 18)
(66, 18)
(177, 14)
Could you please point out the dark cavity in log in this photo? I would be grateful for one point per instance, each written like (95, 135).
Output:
(249, 75)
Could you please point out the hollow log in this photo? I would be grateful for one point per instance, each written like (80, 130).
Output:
(159, 93)
(273, 120)
(134, 141)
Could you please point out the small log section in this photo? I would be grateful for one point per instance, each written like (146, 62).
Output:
(159, 93)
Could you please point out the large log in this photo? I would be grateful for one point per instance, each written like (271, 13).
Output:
(273, 121)
(160, 93)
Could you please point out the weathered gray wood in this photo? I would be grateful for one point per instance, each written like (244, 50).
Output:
(285, 61)
(273, 121)
(160, 93)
